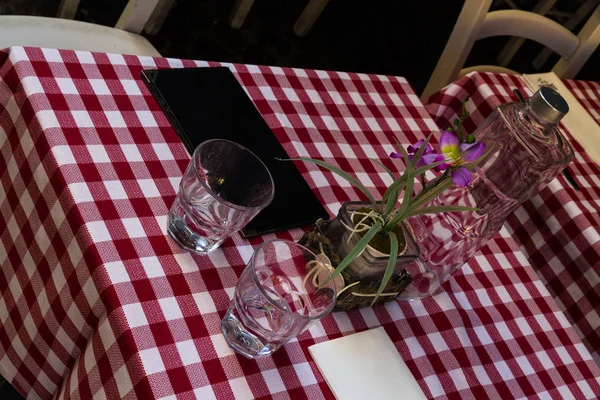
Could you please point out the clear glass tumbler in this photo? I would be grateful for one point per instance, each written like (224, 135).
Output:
(224, 187)
(283, 290)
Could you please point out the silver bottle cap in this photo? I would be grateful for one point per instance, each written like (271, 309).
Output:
(548, 105)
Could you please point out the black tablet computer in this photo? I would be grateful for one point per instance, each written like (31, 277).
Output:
(209, 103)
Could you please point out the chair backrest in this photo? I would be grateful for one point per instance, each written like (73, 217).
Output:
(475, 22)
(16, 30)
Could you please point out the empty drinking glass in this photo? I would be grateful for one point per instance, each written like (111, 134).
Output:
(223, 188)
(282, 291)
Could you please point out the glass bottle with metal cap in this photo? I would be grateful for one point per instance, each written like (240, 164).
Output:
(524, 152)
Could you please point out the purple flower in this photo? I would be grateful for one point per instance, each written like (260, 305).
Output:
(429, 156)
(457, 153)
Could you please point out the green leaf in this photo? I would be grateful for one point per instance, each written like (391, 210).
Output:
(439, 209)
(391, 265)
(338, 171)
(401, 181)
(456, 122)
(360, 246)
(391, 202)
(451, 129)
(382, 165)
(404, 154)
(407, 199)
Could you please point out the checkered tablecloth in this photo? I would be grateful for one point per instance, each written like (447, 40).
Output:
(98, 302)
(559, 229)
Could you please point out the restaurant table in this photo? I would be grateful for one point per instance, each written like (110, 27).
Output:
(559, 229)
(97, 301)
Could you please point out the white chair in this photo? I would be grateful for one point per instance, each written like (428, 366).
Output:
(76, 35)
(474, 23)
(545, 7)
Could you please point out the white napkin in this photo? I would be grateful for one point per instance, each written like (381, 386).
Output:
(365, 365)
(577, 121)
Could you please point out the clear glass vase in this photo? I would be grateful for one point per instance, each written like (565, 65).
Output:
(524, 152)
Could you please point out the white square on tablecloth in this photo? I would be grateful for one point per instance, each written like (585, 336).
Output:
(267, 93)
(32, 85)
(82, 119)
(66, 86)
(186, 262)
(98, 153)
(438, 342)
(98, 231)
(504, 370)
(65, 340)
(148, 188)
(545, 359)
(205, 393)
(221, 347)
(13, 228)
(3, 253)
(123, 380)
(63, 155)
(319, 179)
(115, 190)
(134, 313)
(162, 151)
(27, 203)
(134, 227)
(117, 272)
(459, 379)
(99, 87)
(170, 308)
(218, 259)
(116, 59)
(307, 121)
(115, 119)
(364, 179)
(161, 222)
(305, 374)
(504, 330)
(152, 361)
(240, 389)
(291, 94)
(188, 352)
(80, 192)
(47, 119)
(347, 150)
(204, 302)
(152, 267)
(146, 119)
(273, 381)
(373, 124)
(132, 153)
(483, 335)
(131, 87)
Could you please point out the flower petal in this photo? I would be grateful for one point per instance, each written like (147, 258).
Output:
(466, 146)
(461, 176)
(415, 147)
(395, 155)
(442, 167)
(449, 144)
(431, 158)
(474, 152)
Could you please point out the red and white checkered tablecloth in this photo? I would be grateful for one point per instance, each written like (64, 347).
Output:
(98, 302)
(559, 229)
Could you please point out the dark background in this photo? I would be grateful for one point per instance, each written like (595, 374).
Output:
(392, 37)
